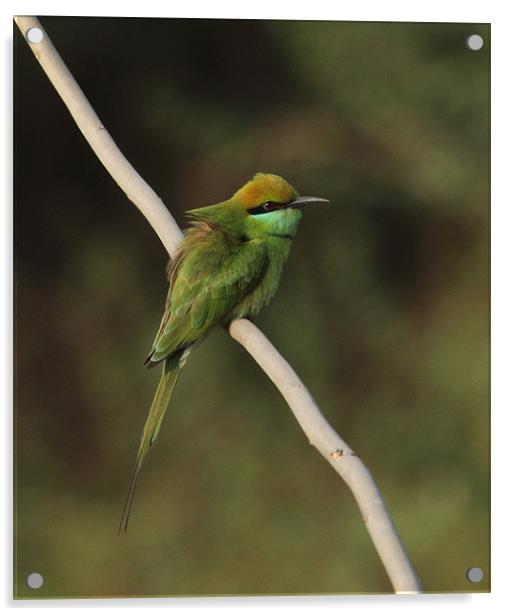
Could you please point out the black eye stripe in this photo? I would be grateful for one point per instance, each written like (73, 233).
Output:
(268, 206)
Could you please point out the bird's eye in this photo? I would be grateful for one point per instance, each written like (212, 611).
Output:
(268, 206)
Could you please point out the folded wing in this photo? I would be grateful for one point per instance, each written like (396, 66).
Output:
(206, 282)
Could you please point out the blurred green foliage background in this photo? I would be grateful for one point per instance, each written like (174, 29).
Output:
(383, 308)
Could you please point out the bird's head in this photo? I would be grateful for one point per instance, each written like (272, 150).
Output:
(267, 192)
(267, 205)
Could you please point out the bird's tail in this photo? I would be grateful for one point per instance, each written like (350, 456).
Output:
(172, 367)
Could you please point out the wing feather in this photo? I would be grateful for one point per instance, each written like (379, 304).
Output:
(207, 281)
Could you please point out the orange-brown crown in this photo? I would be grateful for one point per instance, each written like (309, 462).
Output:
(265, 187)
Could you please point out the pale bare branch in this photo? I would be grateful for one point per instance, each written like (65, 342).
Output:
(320, 434)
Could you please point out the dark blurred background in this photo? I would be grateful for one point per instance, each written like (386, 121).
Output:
(383, 308)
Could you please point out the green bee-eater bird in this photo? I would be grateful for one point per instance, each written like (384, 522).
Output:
(227, 267)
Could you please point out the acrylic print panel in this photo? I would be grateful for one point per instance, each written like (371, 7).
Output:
(383, 308)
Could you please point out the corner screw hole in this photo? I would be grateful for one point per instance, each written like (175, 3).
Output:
(35, 581)
(34, 35)
(475, 575)
(475, 42)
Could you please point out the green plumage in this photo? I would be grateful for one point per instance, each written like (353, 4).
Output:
(228, 266)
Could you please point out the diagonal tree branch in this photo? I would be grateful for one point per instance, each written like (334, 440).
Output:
(320, 434)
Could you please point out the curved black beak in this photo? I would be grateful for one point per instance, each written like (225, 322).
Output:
(303, 201)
